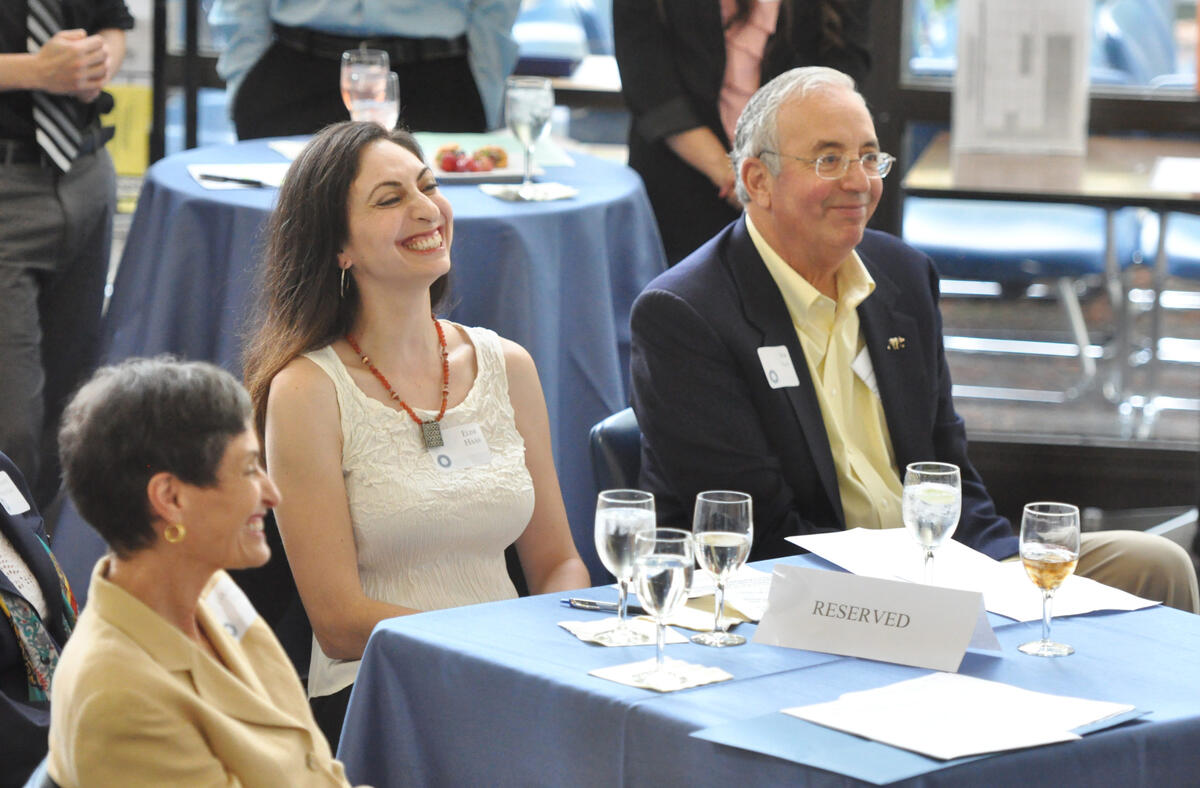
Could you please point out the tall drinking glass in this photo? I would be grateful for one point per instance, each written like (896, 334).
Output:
(931, 505)
(528, 102)
(1049, 551)
(385, 110)
(723, 530)
(663, 566)
(364, 76)
(620, 516)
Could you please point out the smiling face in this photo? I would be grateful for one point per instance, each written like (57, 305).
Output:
(811, 222)
(400, 223)
(225, 522)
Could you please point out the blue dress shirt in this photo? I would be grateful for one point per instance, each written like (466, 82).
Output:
(487, 24)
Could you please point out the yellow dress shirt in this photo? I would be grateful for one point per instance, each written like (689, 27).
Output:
(868, 482)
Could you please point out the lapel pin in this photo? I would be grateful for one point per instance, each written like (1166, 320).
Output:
(895, 343)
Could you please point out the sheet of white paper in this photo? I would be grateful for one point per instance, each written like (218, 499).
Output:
(289, 149)
(269, 174)
(948, 715)
(1007, 591)
(746, 591)
(1176, 174)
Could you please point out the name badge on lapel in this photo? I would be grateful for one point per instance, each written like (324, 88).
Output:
(231, 608)
(462, 447)
(863, 368)
(10, 496)
(777, 366)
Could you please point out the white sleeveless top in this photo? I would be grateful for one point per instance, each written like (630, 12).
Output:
(428, 537)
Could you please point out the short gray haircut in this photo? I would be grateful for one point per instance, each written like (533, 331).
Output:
(757, 129)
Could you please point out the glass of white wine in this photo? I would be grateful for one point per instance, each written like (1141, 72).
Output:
(931, 506)
(364, 76)
(1049, 551)
(723, 530)
(528, 103)
(663, 566)
(620, 516)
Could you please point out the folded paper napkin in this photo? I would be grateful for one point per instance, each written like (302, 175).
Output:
(640, 674)
(536, 192)
(587, 630)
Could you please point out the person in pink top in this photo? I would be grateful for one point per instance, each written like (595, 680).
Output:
(687, 69)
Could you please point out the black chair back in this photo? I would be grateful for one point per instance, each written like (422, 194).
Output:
(616, 447)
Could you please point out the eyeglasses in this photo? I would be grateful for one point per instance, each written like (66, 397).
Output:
(832, 166)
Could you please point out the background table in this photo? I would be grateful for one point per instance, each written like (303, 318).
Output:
(557, 277)
(498, 695)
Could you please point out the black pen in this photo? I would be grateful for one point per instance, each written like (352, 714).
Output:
(204, 176)
(604, 607)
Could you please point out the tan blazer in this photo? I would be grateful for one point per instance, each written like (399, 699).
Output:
(136, 703)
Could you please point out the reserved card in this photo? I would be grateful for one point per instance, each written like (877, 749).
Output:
(886, 620)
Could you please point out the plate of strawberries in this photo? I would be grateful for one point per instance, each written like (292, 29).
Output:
(455, 163)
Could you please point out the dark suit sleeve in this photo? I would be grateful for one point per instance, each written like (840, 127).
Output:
(979, 525)
(701, 426)
(650, 81)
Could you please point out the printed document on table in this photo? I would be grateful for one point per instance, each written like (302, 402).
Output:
(949, 715)
(746, 590)
(1007, 591)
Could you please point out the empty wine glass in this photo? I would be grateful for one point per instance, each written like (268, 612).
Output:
(384, 110)
(364, 76)
(723, 530)
(528, 102)
(620, 516)
(931, 505)
(1049, 551)
(663, 566)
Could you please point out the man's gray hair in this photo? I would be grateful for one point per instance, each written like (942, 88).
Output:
(757, 129)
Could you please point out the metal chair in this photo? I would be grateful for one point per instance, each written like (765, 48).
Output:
(616, 448)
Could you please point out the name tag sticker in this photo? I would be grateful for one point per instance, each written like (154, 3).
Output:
(463, 447)
(777, 366)
(10, 496)
(862, 367)
(231, 607)
(886, 620)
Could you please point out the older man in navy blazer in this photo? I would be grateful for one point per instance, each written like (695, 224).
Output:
(798, 356)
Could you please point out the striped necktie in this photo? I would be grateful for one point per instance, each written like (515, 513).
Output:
(54, 116)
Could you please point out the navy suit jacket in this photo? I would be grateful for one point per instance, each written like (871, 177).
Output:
(710, 419)
(23, 723)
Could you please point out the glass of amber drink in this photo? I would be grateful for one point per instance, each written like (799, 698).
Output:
(1049, 551)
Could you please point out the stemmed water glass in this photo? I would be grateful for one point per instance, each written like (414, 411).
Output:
(663, 566)
(364, 76)
(723, 530)
(528, 102)
(620, 516)
(1049, 551)
(931, 505)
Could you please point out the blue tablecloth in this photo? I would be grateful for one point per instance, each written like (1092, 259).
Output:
(498, 695)
(557, 277)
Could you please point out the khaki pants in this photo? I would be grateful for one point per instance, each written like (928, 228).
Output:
(1147, 565)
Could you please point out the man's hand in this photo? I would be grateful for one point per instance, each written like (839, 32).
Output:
(73, 63)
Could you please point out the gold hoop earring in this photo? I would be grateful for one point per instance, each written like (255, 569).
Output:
(174, 533)
(342, 287)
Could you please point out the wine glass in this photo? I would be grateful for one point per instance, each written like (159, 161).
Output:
(620, 516)
(931, 505)
(364, 76)
(528, 102)
(723, 530)
(383, 110)
(1049, 551)
(663, 564)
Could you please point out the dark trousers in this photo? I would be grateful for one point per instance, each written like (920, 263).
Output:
(55, 242)
(289, 92)
(330, 713)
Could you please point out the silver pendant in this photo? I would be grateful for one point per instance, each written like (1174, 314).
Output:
(431, 433)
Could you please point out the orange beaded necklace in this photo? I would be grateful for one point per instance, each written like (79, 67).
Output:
(431, 431)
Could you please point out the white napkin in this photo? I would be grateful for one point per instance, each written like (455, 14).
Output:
(587, 630)
(638, 674)
(537, 192)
